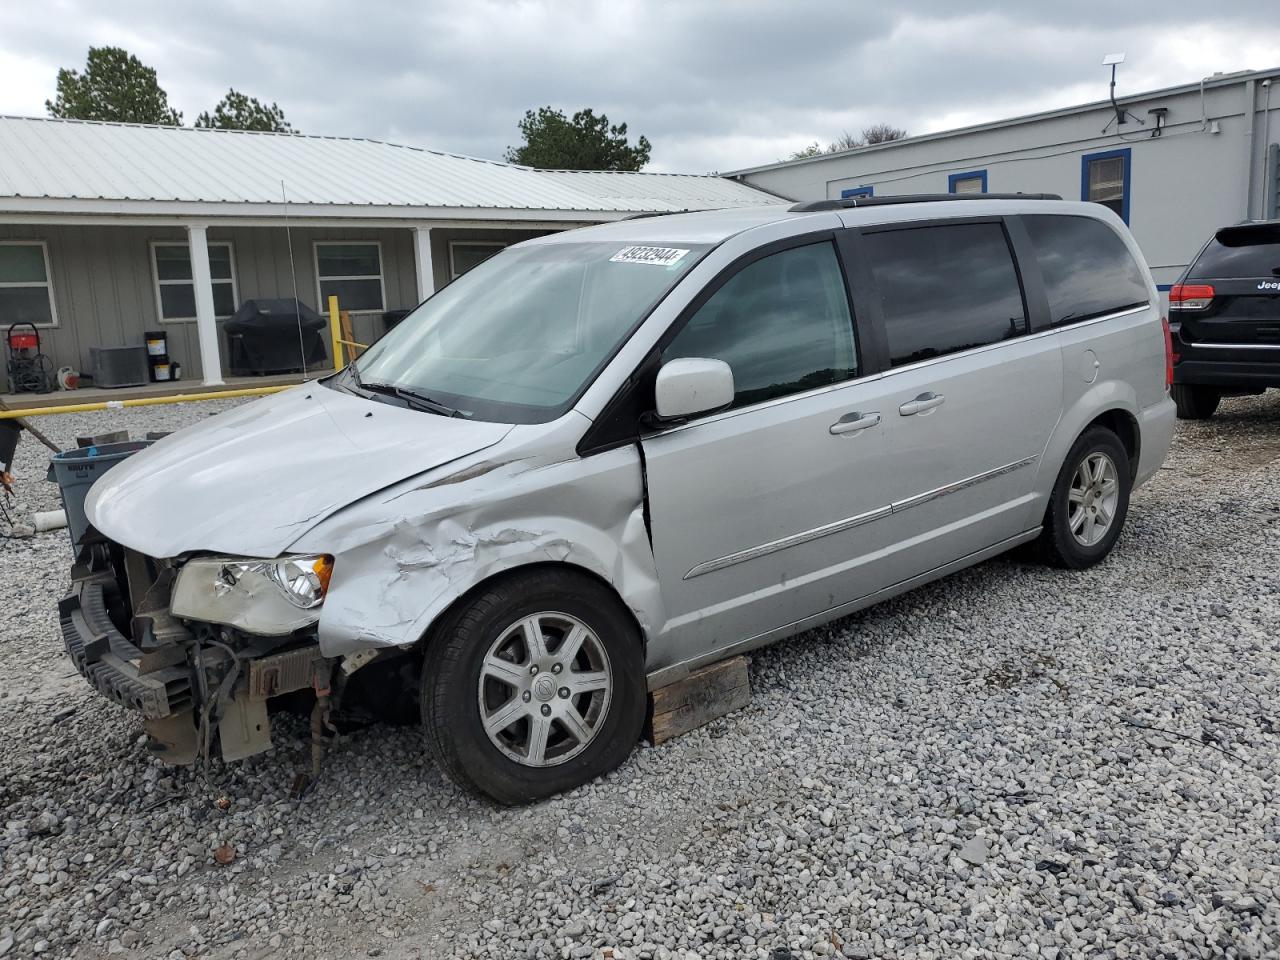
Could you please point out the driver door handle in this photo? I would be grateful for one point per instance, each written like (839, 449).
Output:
(853, 422)
(926, 401)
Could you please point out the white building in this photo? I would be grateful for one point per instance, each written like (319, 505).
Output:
(108, 230)
(1184, 161)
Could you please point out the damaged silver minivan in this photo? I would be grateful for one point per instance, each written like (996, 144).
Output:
(607, 457)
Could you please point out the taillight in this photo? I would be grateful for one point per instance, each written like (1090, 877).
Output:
(1170, 358)
(1190, 296)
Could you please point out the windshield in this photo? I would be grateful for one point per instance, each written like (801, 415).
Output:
(518, 338)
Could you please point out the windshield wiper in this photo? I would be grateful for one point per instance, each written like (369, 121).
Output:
(410, 397)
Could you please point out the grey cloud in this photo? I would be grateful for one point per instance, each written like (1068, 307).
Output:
(712, 85)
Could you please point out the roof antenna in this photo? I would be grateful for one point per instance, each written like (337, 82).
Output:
(1113, 60)
(297, 306)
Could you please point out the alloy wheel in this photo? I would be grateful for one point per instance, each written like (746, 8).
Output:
(544, 689)
(1092, 499)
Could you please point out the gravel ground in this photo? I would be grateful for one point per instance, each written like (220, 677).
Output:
(1012, 762)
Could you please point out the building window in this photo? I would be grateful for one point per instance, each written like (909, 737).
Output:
(974, 181)
(857, 192)
(26, 295)
(175, 291)
(352, 272)
(1104, 179)
(466, 254)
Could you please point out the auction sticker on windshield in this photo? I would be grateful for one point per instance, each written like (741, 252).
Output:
(659, 256)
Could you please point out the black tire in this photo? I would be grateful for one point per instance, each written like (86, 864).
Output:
(1057, 544)
(1195, 403)
(451, 685)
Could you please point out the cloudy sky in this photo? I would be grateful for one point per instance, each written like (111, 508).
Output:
(714, 84)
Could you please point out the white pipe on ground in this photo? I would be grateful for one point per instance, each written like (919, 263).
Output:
(50, 520)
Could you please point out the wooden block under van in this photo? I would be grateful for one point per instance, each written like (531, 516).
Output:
(698, 699)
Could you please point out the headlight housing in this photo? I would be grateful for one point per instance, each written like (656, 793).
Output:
(264, 597)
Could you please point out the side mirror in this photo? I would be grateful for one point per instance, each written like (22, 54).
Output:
(692, 385)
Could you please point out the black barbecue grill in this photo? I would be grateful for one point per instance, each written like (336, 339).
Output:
(273, 336)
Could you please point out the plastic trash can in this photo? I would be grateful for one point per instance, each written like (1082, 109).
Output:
(74, 471)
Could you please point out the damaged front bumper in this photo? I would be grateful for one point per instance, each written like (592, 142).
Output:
(189, 681)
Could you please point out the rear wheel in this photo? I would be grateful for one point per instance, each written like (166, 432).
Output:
(1195, 403)
(534, 686)
(1089, 503)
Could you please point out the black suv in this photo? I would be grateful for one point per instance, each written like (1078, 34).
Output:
(1225, 317)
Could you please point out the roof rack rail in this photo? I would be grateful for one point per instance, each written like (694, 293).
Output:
(845, 203)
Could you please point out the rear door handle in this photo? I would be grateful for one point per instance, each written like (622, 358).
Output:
(926, 401)
(853, 422)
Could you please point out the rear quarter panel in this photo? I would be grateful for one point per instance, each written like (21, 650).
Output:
(1111, 363)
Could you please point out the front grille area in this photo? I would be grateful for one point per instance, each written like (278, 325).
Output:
(115, 664)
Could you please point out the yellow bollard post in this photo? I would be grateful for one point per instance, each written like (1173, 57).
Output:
(335, 334)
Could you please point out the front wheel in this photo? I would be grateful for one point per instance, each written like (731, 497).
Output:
(1195, 403)
(1089, 503)
(533, 686)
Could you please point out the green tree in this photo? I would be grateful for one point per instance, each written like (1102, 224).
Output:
(115, 85)
(587, 142)
(238, 112)
(877, 133)
(882, 133)
(812, 150)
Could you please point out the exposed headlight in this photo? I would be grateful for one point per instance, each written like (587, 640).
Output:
(266, 597)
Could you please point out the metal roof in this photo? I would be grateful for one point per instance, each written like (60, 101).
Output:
(64, 162)
(1208, 83)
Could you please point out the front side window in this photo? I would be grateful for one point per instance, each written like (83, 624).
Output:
(1104, 179)
(467, 254)
(352, 272)
(518, 338)
(1088, 271)
(26, 296)
(782, 324)
(175, 290)
(945, 289)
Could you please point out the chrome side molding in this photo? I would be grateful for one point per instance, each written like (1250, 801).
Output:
(839, 526)
(794, 540)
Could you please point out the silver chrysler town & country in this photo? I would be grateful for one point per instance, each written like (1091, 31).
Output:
(607, 457)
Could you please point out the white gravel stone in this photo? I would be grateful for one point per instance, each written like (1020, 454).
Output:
(1108, 736)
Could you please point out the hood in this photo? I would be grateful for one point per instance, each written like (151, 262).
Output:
(253, 480)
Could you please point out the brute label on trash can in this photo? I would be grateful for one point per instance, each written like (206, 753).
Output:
(75, 471)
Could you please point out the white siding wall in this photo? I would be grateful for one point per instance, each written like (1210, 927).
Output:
(1183, 184)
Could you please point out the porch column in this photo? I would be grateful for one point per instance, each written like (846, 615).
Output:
(422, 262)
(206, 324)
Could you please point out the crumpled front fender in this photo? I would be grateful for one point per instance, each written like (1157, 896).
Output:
(403, 556)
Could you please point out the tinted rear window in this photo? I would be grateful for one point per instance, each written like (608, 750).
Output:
(1087, 269)
(1247, 252)
(945, 289)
